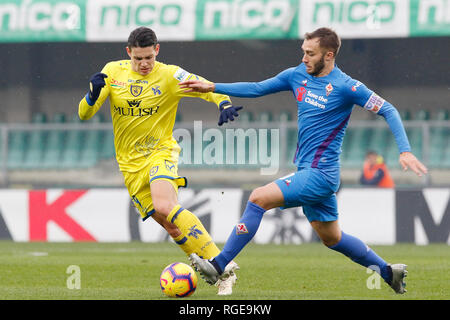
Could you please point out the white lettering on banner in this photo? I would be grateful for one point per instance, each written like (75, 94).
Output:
(112, 20)
(352, 18)
(438, 11)
(437, 200)
(39, 16)
(248, 14)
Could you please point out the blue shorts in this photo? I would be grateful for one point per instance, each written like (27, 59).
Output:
(313, 189)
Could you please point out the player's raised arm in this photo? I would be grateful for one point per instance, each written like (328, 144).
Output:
(95, 97)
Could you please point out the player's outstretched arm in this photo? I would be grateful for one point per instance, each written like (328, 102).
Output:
(408, 160)
(197, 86)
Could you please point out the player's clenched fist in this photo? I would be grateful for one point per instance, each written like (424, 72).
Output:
(96, 83)
(228, 112)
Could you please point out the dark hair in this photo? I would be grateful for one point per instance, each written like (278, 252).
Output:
(328, 39)
(371, 153)
(142, 37)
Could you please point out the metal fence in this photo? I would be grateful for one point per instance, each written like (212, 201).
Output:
(268, 146)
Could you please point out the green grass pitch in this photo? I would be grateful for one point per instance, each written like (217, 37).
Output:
(268, 272)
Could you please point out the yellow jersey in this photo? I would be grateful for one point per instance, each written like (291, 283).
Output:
(143, 109)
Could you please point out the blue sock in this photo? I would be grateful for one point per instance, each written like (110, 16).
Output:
(360, 253)
(244, 232)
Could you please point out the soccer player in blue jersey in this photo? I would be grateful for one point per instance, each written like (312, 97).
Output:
(325, 98)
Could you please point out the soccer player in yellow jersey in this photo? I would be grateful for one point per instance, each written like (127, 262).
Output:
(144, 96)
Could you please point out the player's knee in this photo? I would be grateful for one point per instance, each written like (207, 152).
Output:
(164, 207)
(257, 197)
(330, 240)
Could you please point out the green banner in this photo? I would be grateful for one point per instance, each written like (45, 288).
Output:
(243, 19)
(42, 20)
(429, 18)
(191, 20)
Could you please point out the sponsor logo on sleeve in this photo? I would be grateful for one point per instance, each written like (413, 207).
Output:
(356, 85)
(374, 103)
(181, 75)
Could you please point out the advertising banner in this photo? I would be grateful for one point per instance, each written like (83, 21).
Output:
(243, 19)
(430, 18)
(113, 20)
(191, 20)
(376, 216)
(42, 20)
(355, 18)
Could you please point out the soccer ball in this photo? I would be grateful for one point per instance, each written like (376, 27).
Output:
(178, 280)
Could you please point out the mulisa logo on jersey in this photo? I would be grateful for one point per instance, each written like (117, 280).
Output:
(134, 109)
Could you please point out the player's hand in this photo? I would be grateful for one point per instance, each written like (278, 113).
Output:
(96, 83)
(197, 86)
(228, 112)
(408, 160)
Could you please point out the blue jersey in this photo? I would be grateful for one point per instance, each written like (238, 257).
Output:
(324, 107)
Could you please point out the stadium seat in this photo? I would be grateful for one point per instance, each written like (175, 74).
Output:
(291, 137)
(16, 148)
(33, 154)
(415, 134)
(265, 116)
(54, 145)
(245, 116)
(439, 141)
(380, 138)
(91, 144)
(356, 142)
(107, 146)
(72, 149)
(405, 114)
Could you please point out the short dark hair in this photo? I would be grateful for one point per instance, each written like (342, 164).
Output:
(328, 39)
(142, 37)
(371, 153)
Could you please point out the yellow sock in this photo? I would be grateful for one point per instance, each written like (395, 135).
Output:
(185, 245)
(194, 237)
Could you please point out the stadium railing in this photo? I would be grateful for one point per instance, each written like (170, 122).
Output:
(247, 143)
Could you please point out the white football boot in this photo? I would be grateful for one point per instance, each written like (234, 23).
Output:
(227, 279)
(205, 268)
(398, 275)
